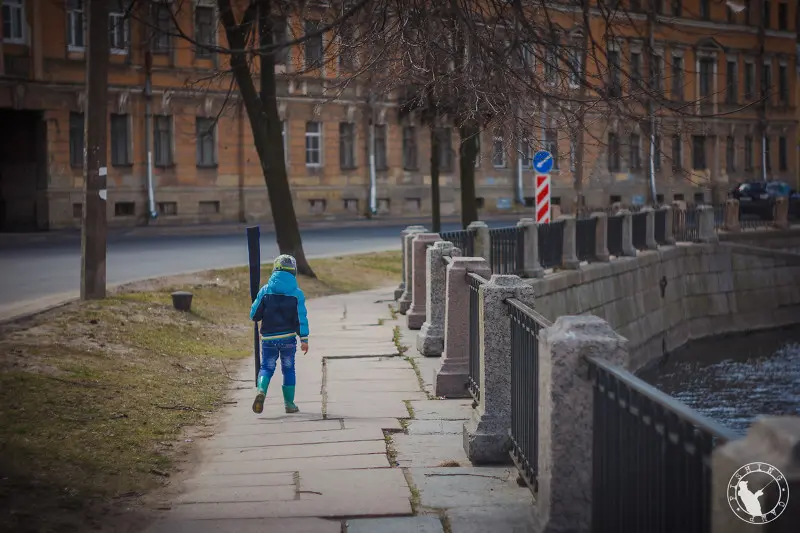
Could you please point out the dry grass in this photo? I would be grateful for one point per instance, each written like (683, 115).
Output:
(96, 394)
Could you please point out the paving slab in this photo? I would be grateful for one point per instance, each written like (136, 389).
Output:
(367, 409)
(262, 525)
(276, 479)
(321, 485)
(363, 433)
(238, 494)
(442, 409)
(390, 424)
(404, 385)
(343, 462)
(446, 488)
(299, 451)
(405, 524)
(503, 518)
(254, 428)
(428, 451)
(435, 427)
(386, 397)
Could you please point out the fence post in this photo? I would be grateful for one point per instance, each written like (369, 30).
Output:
(601, 237)
(650, 228)
(481, 242)
(451, 377)
(772, 440)
(531, 268)
(398, 292)
(408, 286)
(705, 221)
(731, 222)
(486, 433)
(430, 340)
(566, 402)
(419, 246)
(669, 215)
(781, 213)
(569, 252)
(627, 233)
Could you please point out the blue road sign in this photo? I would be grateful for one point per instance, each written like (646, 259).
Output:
(542, 161)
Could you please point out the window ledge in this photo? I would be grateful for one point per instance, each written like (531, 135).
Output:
(119, 52)
(348, 168)
(209, 166)
(12, 40)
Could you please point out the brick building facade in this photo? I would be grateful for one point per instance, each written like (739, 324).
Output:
(205, 168)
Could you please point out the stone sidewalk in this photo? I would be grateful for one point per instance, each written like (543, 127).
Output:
(369, 451)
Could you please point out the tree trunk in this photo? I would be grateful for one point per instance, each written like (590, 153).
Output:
(436, 222)
(467, 155)
(262, 112)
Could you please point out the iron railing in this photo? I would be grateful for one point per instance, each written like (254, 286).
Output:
(474, 380)
(525, 326)
(463, 239)
(660, 227)
(506, 249)
(614, 235)
(586, 238)
(651, 455)
(763, 219)
(686, 224)
(551, 244)
(639, 230)
(719, 217)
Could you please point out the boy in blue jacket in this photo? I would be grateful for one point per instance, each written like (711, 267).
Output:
(280, 306)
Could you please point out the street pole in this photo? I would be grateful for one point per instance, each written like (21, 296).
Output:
(93, 234)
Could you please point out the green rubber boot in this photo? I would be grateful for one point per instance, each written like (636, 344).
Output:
(288, 399)
(258, 403)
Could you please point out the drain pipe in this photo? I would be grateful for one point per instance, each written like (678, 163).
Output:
(373, 193)
(148, 128)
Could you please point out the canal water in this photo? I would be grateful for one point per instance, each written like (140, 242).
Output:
(734, 379)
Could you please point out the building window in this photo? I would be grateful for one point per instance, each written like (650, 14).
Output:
(162, 140)
(677, 78)
(205, 130)
(161, 40)
(730, 83)
(705, 10)
(381, 161)
(730, 155)
(783, 85)
(346, 47)
(657, 153)
(614, 88)
(749, 81)
(706, 72)
(766, 80)
(636, 70)
(410, 148)
(550, 64)
(168, 209)
(767, 154)
(699, 152)
(124, 209)
(526, 150)
(783, 16)
(76, 139)
(120, 142)
(766, 14)
(204, 30)
(118, 27)
(498, 151)
(551, 145)
(576, 65)
(280, 36)
(634, 151)
(677, 8)
(313, 144)
(13, 21)
(613, 152)
(656, 75)
(677, 153)
(445, 150)
(75, 35)
(748, 153)
(313, 45)
(347, 145)
(783, 160)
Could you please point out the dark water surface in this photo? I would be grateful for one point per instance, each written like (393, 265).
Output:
(734, 379)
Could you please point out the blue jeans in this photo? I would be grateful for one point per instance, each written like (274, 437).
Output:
(283, 349)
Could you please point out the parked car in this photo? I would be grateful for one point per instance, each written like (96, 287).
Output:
(758, 198)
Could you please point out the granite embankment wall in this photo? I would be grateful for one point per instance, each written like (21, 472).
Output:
(786, 240)
(710, 289)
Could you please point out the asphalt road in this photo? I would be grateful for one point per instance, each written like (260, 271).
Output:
(39, 275)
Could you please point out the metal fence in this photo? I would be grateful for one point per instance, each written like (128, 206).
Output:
(525, 326)
(686, 224)
(551, 244)
(639, 230)
(660, 227)
(506, 250)
(586, 238)
(719, 216)
(463, 239)
(651, 456)
(614, 235)
(474, 380)
(763, 219)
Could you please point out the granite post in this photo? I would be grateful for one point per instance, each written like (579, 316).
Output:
(781, 219)
(450, 379)
(771, 441)
(486, 434)
(531, 267)
(669, 215)
(731, 222)
(566, 401)
(705, 221)
(601, 237)
(430, 340)
(481, 243)
(569, 250)
(419, 247)
(628, 249)
(405, 299)
(650, 228)
(398, 292)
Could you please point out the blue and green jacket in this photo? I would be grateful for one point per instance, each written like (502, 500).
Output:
(280, 306)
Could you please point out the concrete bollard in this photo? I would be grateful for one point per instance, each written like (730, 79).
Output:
(569, 246)
(482, 240)
(731, 222)
(430, 340)
(781, 220)
(601, 237)
(398, 292)
(705, 221)
(669, 235)
(419, 246)
(628, 249)
(650, 228)
(532, 267)
(182, 300)
(405, 299)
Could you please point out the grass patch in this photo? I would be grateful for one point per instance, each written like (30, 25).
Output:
(96, 395)
(397, 338)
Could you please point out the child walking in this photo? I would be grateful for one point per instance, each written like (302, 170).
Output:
(281, 308)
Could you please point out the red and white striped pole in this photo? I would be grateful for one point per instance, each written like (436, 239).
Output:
(542, 198)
